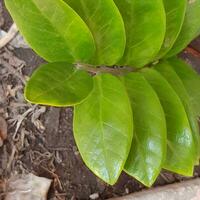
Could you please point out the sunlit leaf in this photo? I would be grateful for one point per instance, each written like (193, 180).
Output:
(190, 28)
(53, 29)
(175, 14)
(170, 75)
(106, 24)
(149, 144)
(145, 30)
(58, 84)
(103, 128)
(180, 145)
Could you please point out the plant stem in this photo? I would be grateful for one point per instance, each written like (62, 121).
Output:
(115, 70)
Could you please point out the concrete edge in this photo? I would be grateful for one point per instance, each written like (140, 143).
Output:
(187, 190)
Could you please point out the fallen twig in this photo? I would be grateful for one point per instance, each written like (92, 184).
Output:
(9, 36)
(56, 178)
(20, 120)
(11, 158)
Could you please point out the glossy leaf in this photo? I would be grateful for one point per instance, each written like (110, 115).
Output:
(170, 75)
(190, 28)
(148, 148)
(103, 128)
(145, 30)
(53, 29)
(190, 79)
(58, 84)
(106, 24)
(180, 145)
(175, 14)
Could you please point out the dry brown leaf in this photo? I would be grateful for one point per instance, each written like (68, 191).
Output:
(3, 130)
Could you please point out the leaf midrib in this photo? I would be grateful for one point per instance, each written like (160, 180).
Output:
(54, 27)
(91, 27)
(99, 84)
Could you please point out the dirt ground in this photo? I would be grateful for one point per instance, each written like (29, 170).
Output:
(40, 139)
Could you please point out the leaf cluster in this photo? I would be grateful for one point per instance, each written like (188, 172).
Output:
(139, 118)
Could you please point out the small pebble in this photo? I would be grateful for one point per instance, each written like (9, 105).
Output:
(94, 196)
(126, 190)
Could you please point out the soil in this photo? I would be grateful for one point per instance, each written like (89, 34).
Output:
(40, 139)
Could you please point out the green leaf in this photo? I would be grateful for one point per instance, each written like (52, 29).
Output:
(58, 84)
(180, 144)
(106, 24)
(170, 75)
(149, 143)
(190, 28)
(53, 29)
(175, 14)
(103, 128)
(190, 79)
(145, 30)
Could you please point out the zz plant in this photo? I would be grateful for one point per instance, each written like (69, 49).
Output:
(136, 105)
